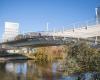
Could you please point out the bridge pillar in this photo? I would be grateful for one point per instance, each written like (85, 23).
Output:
(29, 50)
(96, 40)
(78, 39)
(54, 37)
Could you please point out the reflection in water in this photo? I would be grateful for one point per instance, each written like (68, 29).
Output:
(9, 67)
(30, 71)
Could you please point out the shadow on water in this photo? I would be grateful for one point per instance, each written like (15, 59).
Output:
(28, 70)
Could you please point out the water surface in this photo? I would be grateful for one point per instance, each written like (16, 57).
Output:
(28, 70)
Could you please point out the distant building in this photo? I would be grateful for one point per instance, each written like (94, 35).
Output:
(11, 30)
(98, 15)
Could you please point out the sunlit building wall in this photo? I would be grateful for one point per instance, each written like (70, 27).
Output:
(11, 30)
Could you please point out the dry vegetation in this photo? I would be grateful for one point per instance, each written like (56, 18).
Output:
(76, 57)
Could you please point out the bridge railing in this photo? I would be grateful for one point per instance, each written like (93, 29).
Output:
(81, 24)
(72, 27)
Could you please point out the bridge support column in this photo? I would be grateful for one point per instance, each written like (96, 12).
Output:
(96, 40)
(29, 50)
(78, 39)
(54, 37)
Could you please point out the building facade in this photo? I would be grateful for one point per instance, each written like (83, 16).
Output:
(11, 30)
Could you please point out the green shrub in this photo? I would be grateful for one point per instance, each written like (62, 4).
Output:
(81, 57)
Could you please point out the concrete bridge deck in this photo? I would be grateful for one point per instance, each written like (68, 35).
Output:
(88, 33)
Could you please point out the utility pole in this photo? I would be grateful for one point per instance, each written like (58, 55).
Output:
(54, 30)
(63, 30)
(47, 28)
(54, 33)
(97, 15)
(73, 34)
(73, 28)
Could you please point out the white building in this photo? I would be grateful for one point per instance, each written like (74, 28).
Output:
(11, 30)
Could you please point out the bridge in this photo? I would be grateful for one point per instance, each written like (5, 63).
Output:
(36, 41)
(85, 32)
(90, 34)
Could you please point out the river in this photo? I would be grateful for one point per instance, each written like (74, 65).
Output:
(28, 70)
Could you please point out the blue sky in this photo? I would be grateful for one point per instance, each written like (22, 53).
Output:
(32, 15)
